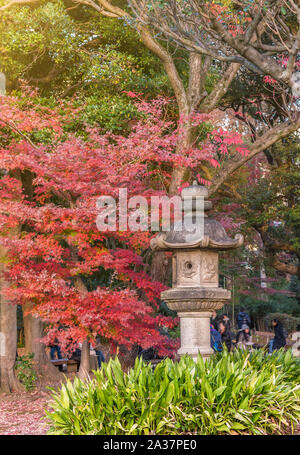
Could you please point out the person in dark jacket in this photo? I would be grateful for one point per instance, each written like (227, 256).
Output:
(76, 355)
(279, 341)
(215, 339)
(243, 318)
(55, 348)
(226, 335)
(226, 321)
(214, 320)
(97, 348)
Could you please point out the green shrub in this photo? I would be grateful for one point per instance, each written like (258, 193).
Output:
(233, 392)
(289, 322)
(25, 371)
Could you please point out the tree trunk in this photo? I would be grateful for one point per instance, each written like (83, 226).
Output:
(85, 361)
(159, 268)
(84, 370)
(33, 332)
(185, 141)
(8, 337)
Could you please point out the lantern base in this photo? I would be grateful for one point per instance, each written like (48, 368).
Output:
(195, 306)
(205, 354)
(195, 334)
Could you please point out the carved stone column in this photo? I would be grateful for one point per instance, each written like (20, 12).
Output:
(195, 334)
(194, 307)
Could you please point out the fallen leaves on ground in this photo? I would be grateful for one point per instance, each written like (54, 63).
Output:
(23, 414)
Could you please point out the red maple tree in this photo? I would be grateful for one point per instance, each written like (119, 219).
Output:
(82, 281)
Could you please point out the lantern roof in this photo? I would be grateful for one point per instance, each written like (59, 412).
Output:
(213, 236)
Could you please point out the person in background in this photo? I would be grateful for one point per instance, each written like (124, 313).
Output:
(226, 335)
(215, 339)
(243, 318)
(76, 355)
(243, 337)
(55, 348)
(279, 341)
(148, 354)
(97, 348)
(226, 321)
(214, 320)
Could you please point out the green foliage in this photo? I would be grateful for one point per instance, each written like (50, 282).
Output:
(233, 392)
(289, 322)
(77, 52)
(112, 113)
(269, 211)
(25, 371)
(259, 307)
(295, 287)
(276, 197)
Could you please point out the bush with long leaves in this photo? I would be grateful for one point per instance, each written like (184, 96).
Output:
(240, 392)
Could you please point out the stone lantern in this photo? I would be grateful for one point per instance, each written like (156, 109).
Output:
(195, 291)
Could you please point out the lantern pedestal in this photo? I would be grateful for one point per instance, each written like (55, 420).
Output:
(195, 334)
(194, 307)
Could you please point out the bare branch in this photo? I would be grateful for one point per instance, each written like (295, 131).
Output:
(262, 143)
(197, 27)
(285, 267)
(212, 100)
(170, 68)
(13, 127)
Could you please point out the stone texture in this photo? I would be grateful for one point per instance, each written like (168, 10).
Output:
(196, 294)
(195, 334)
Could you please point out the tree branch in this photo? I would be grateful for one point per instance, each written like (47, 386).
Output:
(170, 68)
(284, 267)
(221, 88)
(12, 126)
(262, 143)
